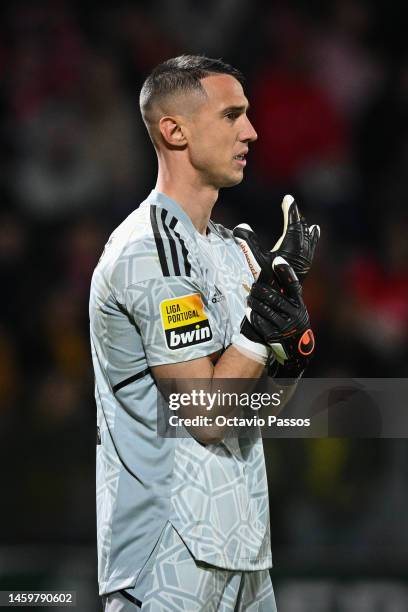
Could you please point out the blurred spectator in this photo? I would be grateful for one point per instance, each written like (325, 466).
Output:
(378, 285)
(81, 248)
(114, 140)
(343, 64)
(46, 55)
(138, 37)
(54, 176)
(60, 402)
(304, 140)
(82, 153)
(203, 28)
(62, 334)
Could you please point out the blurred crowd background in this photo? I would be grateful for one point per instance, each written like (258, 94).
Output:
(328, 87)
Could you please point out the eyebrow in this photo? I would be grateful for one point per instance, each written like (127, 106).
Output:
(236, 109)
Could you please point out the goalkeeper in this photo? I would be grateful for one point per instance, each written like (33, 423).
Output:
(184, 523)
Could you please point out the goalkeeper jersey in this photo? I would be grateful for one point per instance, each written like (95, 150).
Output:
(162, 293)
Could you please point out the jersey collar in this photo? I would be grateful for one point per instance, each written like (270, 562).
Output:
(163, 201)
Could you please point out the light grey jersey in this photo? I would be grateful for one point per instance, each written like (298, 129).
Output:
(162, 293)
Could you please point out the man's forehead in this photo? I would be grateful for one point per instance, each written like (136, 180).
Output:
(224, 90)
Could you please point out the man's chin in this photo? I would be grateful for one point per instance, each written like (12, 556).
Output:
(233, 180)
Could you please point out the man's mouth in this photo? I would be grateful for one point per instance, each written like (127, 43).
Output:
(241, 159)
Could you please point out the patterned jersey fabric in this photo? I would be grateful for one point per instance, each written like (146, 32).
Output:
(162, 293)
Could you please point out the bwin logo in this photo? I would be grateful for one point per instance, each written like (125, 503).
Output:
(187, 338)
(218, 296)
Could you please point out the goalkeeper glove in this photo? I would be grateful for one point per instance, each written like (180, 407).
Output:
(280, 319)
(297, 244)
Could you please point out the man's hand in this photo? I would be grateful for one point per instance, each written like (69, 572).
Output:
(297, 244)
(278, 316)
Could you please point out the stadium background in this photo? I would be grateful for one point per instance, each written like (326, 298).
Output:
(328, 86)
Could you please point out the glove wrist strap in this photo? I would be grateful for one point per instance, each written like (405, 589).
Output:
(254, 350)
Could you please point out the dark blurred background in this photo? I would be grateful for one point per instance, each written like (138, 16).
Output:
(328, 86)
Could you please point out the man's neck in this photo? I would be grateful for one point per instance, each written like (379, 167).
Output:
(196, 200)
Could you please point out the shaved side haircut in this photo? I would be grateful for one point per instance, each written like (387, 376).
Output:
(179, 76)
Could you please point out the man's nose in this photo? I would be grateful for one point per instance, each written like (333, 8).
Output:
(248, 133)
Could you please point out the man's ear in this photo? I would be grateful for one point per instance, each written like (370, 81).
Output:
(172, 131)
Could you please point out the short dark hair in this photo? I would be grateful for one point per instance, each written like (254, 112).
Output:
(182, 74)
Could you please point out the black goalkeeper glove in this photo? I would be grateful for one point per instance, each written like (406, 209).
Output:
(297, 244)
(278, 316)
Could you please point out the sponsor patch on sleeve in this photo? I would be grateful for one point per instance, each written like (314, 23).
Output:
(184, 321)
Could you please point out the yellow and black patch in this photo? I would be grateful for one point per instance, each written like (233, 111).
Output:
(184, 321)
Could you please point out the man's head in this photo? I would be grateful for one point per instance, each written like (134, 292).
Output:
(195, 111)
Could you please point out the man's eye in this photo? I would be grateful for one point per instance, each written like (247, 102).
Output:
(232, 116)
